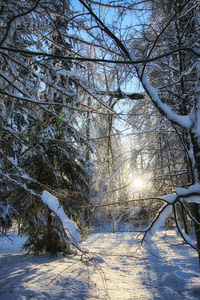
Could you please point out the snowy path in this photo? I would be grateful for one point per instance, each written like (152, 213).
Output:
(115, 273)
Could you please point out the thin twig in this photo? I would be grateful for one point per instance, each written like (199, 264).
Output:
(62, 272)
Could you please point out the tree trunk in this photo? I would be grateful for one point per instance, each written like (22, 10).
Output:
(196, 206)
(196, 213)
(49, 233)
(183, 216)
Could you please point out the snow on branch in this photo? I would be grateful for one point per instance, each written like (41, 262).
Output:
(183, 121)
(158, 221)
(70, 227)
(99, 60)
(190, 195)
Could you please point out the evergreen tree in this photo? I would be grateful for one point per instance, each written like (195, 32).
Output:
(41, 146)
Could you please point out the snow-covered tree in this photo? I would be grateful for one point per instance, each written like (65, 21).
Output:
(41, 144)
(175, 75)
(42, 90)
(168, 69)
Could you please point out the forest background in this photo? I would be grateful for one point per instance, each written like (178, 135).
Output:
(100, 106)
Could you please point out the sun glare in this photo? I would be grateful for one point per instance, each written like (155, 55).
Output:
(138, 183)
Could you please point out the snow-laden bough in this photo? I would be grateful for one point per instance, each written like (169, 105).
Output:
(69, 226)
(190, 195)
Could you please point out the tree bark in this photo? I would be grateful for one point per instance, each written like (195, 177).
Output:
(196, 206)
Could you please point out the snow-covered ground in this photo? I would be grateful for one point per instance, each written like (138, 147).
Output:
(113, 270)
